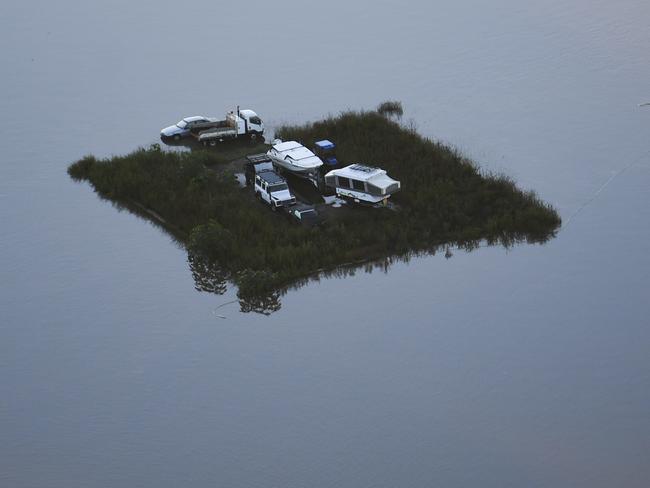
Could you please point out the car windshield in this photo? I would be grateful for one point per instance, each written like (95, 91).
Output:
(182, 124)
(278, 187)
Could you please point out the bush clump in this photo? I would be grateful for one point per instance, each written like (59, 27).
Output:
(391, 108)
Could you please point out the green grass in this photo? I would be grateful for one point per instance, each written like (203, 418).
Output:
(445, 199)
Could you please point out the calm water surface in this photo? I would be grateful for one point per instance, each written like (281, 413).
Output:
(496, 368)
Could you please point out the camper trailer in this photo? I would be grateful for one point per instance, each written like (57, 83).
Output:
(362, 184)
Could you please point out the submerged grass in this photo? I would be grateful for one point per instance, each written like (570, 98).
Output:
(445, 196)
(445, 199)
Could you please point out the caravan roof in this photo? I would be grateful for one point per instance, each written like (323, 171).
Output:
(360, 172)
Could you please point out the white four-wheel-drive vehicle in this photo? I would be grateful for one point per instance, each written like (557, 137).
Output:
(239, 123)
(273, 189)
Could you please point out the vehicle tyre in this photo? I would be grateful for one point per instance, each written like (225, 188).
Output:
(253, 137)
(213, 143)
(177, 137)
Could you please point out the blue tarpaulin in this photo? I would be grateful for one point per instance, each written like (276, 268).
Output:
(325, 145)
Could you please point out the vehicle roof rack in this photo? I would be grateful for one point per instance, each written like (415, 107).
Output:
(363, 168)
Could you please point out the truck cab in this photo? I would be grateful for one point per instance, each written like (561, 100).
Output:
(272, 188)
(253, 125)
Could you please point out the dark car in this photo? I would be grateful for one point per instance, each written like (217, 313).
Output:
(305, 215)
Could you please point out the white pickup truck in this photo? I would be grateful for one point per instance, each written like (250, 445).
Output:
(242, 123)
(239, 123)
(272, 188)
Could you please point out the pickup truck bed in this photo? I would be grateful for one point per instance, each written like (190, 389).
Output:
(212, 124)
(216, 134)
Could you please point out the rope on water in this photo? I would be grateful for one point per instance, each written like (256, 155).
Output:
(214, 311)
(603, 186)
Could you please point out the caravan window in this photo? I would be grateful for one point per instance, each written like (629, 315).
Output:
(358, 185)
(374, 190)
(344, 182)
(330, 180)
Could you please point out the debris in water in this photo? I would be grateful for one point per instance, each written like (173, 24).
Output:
(241, 179)
(334, 201)
(214, 312)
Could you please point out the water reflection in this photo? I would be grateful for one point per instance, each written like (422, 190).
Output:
(264, 304)
(210, 276)
(207, 277)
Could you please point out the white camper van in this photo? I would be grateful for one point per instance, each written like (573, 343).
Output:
(362, 183)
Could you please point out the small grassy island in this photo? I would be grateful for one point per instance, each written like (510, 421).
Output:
(445, 200)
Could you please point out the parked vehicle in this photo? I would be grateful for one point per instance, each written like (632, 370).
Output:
(183, 127)
(295, 158)
(326, 151)
(256, 164)
(305, 215)
(239, 123)
(361, 183)
(272, 188)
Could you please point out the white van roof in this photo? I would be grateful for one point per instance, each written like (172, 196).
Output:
(360, 172)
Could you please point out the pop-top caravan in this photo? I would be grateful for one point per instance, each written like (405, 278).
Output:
(362, 183)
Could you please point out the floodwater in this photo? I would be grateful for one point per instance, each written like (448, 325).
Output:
(495, 368)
